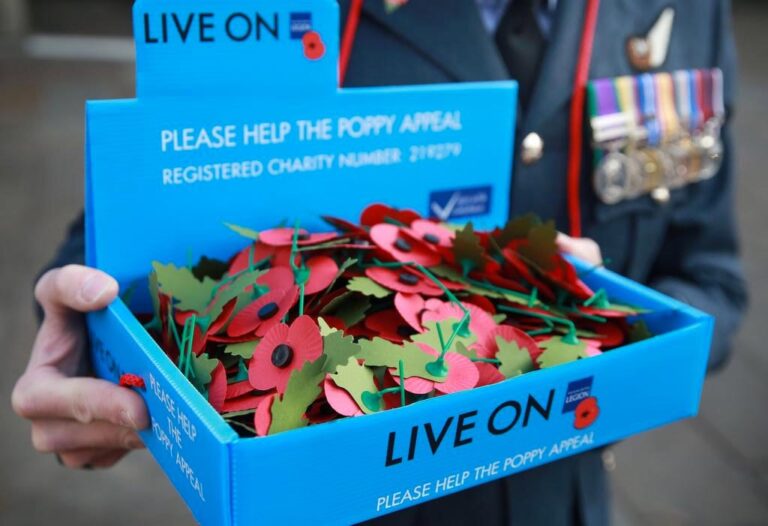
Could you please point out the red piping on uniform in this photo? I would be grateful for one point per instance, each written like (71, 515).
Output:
(577, 104)
(348, 39)
(577, 114)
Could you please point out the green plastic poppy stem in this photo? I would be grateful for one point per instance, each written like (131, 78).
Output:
(529, 299)
(401, 371)
(296, 269)
(600, 299)
(227, 280)
(569, 338)
(486, 360)
(190, 345)
(545, 330)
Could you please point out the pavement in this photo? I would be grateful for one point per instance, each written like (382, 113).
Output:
(709, 470)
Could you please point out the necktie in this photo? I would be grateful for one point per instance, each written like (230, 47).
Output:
(521, 44)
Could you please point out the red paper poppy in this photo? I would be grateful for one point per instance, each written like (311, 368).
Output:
(586, 413)
(433, 234)
(378, 213)
(277, 278)
(609, 333)
(403, 280)
(244, 403)
(217, 389)
(250, 255)
(389, 325)
(410, 306)
(462, 375)
(283, 237)
(401, 246)
(322, 271)
(264, 313)
(345, 226)
(262, 418)
(480, 322)
(510, 334)
(320, 412)
(223, 318)
(593, 347)
(283, 350)
(339, 399)
(314, 49)
(238, 389)
(489, 374)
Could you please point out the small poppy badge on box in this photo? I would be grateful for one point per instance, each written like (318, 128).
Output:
(579, 400)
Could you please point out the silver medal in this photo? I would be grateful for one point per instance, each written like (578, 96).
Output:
(615, 178)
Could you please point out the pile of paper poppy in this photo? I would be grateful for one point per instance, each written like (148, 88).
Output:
(302, 328)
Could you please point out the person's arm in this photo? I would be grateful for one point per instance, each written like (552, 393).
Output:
(699, 262)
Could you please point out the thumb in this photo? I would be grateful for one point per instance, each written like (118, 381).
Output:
(64, 294)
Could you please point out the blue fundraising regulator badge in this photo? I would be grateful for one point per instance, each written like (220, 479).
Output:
(300, 24)
(460, 202)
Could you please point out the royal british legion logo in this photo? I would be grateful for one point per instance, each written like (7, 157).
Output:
(577, 391)
(301, 23)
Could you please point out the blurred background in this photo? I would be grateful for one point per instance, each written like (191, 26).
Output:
(709, 470)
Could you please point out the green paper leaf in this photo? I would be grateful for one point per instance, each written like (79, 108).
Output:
(516, 228)
(244, 350)
(325, 329)
(236, 288)
(541, 248)
(338, 349)
(349, 307)
(243, 231)
(464, 351)
(302, 389)
(638, 332)
(357, 379)
(179, 283)
(514, 360)
(467, 248)
(557, 352)
(380, 352)
(202, 367)
(367, 287)
(236, 414)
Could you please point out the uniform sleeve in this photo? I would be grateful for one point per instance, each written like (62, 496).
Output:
(71, 250)
(699, 262)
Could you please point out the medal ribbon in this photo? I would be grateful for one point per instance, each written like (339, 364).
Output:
(626, 89)
(665, 101)
(718, 96)
(647, 98)
(683, 98)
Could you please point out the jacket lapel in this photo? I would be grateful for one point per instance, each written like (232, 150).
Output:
(450, 33)
(554, 85)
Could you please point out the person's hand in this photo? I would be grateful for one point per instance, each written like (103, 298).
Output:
(581, 247)
(86, 422)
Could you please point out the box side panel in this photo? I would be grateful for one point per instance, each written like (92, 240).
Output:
(436, 150)
(360, 468)
(187, 438)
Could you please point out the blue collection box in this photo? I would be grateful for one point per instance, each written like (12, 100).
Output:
(236, 122)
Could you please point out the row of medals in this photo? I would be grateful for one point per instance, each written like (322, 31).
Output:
(630, 167)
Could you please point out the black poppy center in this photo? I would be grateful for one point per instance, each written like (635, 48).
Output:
(402, 245)
(408, 279)
(404, 331)
(282, 355)
(268, 310)
(432, 239)
(303, 236)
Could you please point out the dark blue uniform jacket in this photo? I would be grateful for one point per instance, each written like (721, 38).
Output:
(686, 248)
